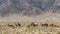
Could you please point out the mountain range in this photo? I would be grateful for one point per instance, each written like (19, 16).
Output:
(27, 7)
(30, 7)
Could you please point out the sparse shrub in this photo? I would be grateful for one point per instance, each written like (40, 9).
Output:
(58, 32)
(51, 25)
(48, 33)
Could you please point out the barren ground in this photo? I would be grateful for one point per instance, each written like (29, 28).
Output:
(23, 29)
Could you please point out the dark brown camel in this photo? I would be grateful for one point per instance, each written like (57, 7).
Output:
(33, 24)
(18, 24)
(46, 25)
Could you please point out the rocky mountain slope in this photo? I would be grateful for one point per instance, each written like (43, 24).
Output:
(44, 9)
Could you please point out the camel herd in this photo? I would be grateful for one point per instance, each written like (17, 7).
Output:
(33, 24)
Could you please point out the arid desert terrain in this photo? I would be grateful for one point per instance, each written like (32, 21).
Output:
(29, 16)
(29, 27)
